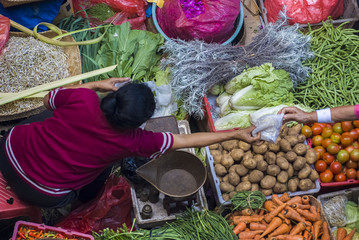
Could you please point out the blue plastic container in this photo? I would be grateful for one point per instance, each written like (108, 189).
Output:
(239, 25)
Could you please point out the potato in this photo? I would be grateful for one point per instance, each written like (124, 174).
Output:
(232, 168)
(227, 160)
(258, 157)
(299, 163)
(244, 146)
(274, 147)
(233, 178)
(213, 146)
(285, 145)
(282, 163)
(281, 154)
(255, 176)
(305, 184)
(237, 154)
(245, 178)
(261, 149)
(290, 171)
(311, 156)
(291, 156)
(217, 156)
(225, 197)
(314, 175)
(230, 145)
(295, 130)
(292, 185)
(279, 188)
(266, 192)
(273, 170)
(250, 163)
(241, 170)
(293, 140)
(247, 155)
(282, 177)
(301, 138)
(304, 172)
(283, 131)
(262, 166)
(268, 182)
(220, 170)
(270, 157)
(231, 194)
(300, 149)
(244, 186)
(255, 187)
(226, 187)
(225, 178)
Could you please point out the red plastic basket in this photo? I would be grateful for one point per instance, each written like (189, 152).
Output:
(47, 229)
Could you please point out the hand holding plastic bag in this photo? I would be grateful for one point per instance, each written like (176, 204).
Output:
(269, 126)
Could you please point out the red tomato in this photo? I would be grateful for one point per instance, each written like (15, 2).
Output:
(351, 173)
(326, 142)
(326, 176)
(317, 140)
(320, 151)
(333, 148)
(328, 158)
(356, 144)
(354, 134)
(316, 129)
(307, 131)
(349, 149)
(321, 124)
(335, 138)
(347, 126)
(340, 177)
(356, 123)
(320, 166)
(337, 128)
(343, 156)
(346, 134)
(326, 132)
(346, 141)
(351, 164)
(335, 167)
(354, 155)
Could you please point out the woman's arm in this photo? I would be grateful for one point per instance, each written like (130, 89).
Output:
(207, 138)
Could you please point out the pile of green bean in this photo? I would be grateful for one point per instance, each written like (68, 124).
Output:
(248, 199)
(335, 68)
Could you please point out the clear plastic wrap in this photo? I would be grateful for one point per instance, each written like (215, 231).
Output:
(269, 126)
(334, 209)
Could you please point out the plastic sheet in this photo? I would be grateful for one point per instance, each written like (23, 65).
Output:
(269, 126)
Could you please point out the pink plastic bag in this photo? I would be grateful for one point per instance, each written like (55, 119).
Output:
(304, 11)
(212, 22)
(132, 11)
(4, 31)
(109, 210)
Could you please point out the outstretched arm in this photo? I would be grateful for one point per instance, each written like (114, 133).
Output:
(207, 138)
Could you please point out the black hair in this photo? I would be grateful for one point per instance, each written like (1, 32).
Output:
(130, 106)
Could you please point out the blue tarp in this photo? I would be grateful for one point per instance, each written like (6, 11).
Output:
(31, 14)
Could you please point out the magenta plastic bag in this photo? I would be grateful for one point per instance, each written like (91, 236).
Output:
(109, 210)
(305, 11)
(207, 20)
(4, 31)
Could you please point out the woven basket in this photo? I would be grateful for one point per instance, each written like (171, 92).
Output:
(36, 104)
(11, 3)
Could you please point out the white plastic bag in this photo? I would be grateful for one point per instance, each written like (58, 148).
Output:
(269, 126)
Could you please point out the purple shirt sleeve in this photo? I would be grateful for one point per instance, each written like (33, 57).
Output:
(356, 110)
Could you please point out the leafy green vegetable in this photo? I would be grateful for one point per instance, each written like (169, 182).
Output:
(238, 119)
(216, 89)
(352, 212)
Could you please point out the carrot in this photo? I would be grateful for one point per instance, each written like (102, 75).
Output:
(239, 227)
(269, 205)
(261, 212)
(249, 234)
(313, 209)
(307, 232)
(257, 237)
(305, 199)
(276, 199)
(285, 197)
(325, 235)
(236, 213)
(316, 229)
(350, 235)
(247, 219)
(341, 233)
(313, 217)
(296, 199)
(269, 216)
(297, 229)
(246, 212)
(263, 222)
(301, 206)
(288, 237)
(293, 214)
(257, 226)
(276, 222)
(286, 220)
(281, 230)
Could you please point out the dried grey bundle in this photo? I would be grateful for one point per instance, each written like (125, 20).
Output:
(197, 66)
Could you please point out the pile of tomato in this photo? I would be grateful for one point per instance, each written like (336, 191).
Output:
(337, 149)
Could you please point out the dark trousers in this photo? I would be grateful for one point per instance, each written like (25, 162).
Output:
(31, 195)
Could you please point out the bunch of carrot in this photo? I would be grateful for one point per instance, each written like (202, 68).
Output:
(281, 218)
(343, 235)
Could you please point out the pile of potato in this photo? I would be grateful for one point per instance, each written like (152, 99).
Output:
(278, 167)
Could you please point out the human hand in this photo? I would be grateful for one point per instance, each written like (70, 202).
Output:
(245, 134)
(109, 84)
(295, 114)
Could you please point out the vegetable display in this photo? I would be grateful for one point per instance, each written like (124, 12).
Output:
(270, 168)
(335, 71)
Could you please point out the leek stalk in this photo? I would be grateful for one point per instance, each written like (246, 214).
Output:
(36, 95)
(55, 84)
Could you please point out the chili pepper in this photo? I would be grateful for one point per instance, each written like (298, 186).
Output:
(21, 235)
